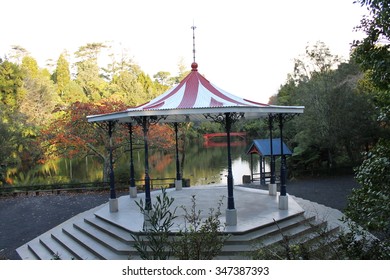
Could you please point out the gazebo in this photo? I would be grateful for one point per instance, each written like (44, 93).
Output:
(262, 147)
(195, 99)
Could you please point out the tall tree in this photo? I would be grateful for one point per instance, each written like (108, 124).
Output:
(317, 59)
(88, 71)
(40, 97)
(30, 65)
(333, 102)
(369, 205)
(71, 135)
(11, 81)
(17, 54)
(62, 75)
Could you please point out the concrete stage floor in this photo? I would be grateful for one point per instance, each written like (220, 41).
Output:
(255, 208)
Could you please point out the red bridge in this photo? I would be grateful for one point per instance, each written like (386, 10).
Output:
(209, 136)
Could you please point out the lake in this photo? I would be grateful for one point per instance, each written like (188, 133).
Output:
(202, 165)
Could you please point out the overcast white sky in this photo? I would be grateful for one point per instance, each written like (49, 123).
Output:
(245, 47)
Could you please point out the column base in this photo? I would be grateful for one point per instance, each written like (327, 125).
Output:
(113, 205)
(231, 217)
(283, 202)
(272, 189)
(178, 185)
(133, 192)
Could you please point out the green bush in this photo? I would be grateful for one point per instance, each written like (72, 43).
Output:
(200, 239)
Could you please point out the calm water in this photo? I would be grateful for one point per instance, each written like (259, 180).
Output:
(202, 165)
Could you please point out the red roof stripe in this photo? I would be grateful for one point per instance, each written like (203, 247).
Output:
(191, 92)
(215, 103)
(154, 106)
(216, 92)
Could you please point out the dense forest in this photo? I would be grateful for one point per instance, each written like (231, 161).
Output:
(43, 113)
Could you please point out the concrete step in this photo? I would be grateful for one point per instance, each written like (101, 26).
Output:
(109, 228)
(76, 249)
(40, 251)
(91, 244)
(104, 238)
(294, 233)
(55, 248)
(25, 253)
(299, 229)
(271, 229)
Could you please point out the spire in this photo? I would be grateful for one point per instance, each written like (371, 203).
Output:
(194, 65)
(193, 40)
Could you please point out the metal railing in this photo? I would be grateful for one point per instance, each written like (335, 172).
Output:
(57, 188)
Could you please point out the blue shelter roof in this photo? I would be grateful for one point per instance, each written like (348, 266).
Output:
(263, 147)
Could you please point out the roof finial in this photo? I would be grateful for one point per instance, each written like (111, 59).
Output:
(194, 65)
(193, 39)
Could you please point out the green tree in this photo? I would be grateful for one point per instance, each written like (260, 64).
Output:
(88, 71)
(72, 93)
(62, 76)
(373, 52)
(39, 101)
(163, 78)
(30, 65)
(339, 118)
(17, 136)
(39, 96)
(8, 139)
(369, 205)
(11, 81)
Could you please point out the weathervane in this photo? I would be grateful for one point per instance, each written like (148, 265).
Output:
(193, 39)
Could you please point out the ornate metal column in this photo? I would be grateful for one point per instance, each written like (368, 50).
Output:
(272, 188)
(228, 119)
(145, 122)
(283, 168)
(251, 167)
(283, 198)
(132, 188)
(178, 181)
(145, 129)
(261, 170)
(113, 202)
(228, 126)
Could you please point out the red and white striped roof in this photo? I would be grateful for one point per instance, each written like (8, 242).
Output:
(196, 99)
(195, 91)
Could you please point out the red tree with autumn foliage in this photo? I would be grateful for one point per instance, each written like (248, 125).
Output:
(73, 136)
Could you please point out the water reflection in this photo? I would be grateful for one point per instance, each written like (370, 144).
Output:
(201, 164)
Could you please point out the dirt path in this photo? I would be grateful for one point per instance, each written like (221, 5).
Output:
(26, 217)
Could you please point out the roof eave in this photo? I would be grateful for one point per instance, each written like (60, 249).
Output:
(182, 115)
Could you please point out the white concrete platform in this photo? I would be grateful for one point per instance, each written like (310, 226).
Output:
(255, 208)
(102, 234)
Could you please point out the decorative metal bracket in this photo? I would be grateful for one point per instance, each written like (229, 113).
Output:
(148, 119)
(222, 117)
(285, 116)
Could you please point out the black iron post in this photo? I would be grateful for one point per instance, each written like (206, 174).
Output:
(132, 179)
(228, 124)
(111, 125)
(261, 169)
(272, 167)
(283, 167)
(252, 167)
(148, 200)
(178, 175)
